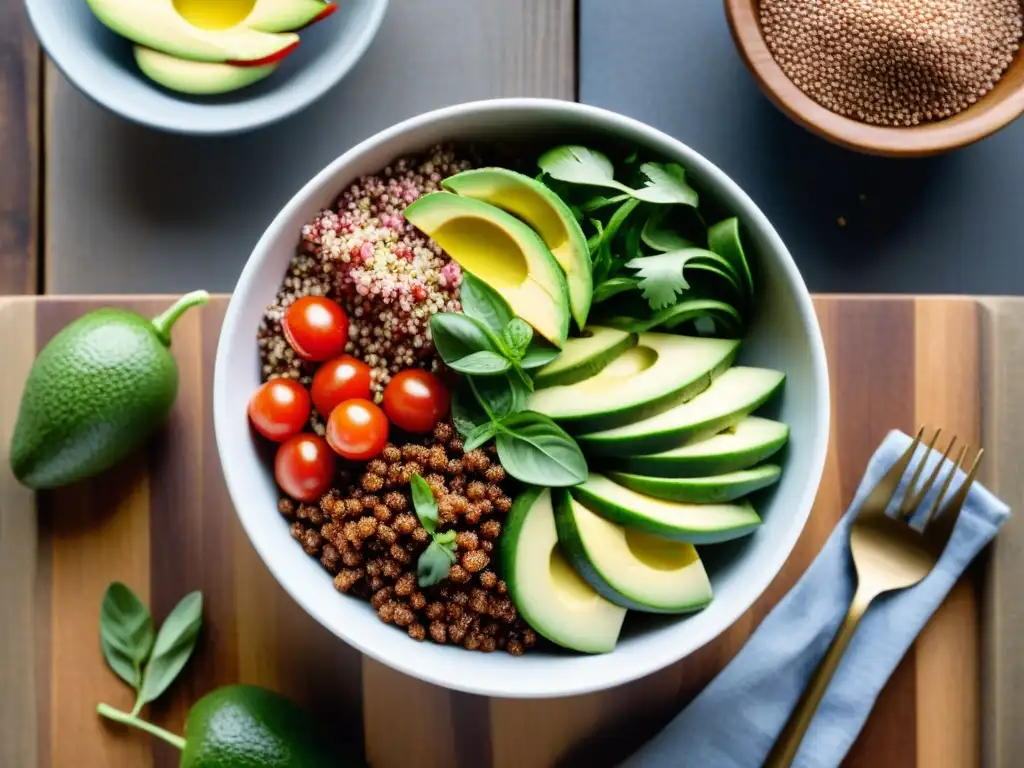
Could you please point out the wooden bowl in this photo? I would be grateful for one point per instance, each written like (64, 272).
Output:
(999, 107)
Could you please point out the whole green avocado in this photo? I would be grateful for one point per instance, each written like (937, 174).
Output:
(95, 394)
(239, 726)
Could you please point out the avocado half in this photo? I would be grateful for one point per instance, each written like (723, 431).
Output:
(547, 214)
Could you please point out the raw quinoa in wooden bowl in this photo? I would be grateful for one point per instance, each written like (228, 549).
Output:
(527, 379)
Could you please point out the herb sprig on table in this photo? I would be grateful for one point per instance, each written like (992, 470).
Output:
(493, 349)
(437, 559)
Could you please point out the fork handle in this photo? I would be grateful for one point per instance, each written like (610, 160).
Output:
(792, 735)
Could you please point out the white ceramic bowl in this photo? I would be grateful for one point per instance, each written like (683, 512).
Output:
(100, 64)
(784, 334)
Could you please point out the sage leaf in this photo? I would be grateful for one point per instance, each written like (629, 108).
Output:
(433, 565)
(479, 436)
(666, 184)
(126, 633)
(483, 363)
(424, 503)
(535, 450)
(457, 336)
(579, 165)
(483, 303)
(174, 644)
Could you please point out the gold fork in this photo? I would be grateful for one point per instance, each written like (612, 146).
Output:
(889, 554)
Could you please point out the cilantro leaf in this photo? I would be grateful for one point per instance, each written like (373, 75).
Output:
(662, 276)
(579, 165)
(666, 184)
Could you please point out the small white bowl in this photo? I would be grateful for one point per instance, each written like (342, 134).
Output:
(784, 334)
(100, 64)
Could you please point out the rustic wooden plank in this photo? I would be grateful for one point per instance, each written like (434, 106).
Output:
(1002, 342)
(20, 108)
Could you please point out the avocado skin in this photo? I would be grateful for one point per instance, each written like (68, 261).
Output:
(244, 725)
(96, 392)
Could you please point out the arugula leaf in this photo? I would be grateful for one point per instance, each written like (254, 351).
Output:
(174, 644)
(424, 503)
(538, 353)
(479, 436)
(434, 564)
(126, 633)
(662, 276)
(666, 184)
(613, 287)
(535, 450)
(458, 336)
(483, 363)
(484, 304)
(661, 238)
(579, 165)
(517, 335)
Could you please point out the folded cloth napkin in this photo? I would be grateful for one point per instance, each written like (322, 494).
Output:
(734, 722)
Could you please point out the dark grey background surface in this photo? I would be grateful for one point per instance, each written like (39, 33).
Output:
(950, 224)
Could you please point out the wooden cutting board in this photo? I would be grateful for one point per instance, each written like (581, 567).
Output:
(163, 523)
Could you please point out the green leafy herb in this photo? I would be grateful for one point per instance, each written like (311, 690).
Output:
(424, 503)
(517, 335)
(579, 165)
(684, 311)
(467, 414)
(538, 354)
(597, 202)
(535, 450)
(724, 239)
(126, 633)
(500, 396)
(613, 287)
(479, 436)
(666, 184)
(458, 337)
(434, 564)
(174, 644)
(662, 276)
(661, 238)
(482, 363)
(484, 304)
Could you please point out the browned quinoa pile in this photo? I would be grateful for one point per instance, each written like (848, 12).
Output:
(369, 536)
(387, 275)
(893, 62)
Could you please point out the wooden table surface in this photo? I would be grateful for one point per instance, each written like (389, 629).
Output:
(163, 524)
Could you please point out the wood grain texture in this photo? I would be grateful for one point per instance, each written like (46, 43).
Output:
(179, 231)
(1002, 343)
(163, 523)
(20, 109)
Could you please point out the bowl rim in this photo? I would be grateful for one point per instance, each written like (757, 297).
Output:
(569, 685)
(888, 141)
(244, 123)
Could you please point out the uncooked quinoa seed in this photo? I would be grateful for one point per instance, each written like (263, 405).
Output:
(893, 62)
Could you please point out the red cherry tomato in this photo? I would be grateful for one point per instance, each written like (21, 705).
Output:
(416, 400)
(304, 467)
(357, 430)
(316, 328)
(279, 409)
(340, 379)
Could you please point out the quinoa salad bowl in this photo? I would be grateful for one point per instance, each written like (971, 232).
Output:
(522, 398)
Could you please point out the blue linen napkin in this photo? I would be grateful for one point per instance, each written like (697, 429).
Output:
(734, 722)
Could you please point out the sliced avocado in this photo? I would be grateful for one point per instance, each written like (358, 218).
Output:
(197, 77)
(285, 15)
(585, 356)
(661, 371)
(736, 393)
(157, 24)
(695, 523)
(547, 592)
(629, 567)
(752, 440)
(503, 252)
(543, 210)
(714, 489)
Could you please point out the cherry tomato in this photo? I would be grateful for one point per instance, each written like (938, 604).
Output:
(357, 430)
(340, 379)
(279, 409)
(316, 328)
(304, 467)
(416, 400)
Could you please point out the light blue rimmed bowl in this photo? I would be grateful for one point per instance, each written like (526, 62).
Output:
(99, 63)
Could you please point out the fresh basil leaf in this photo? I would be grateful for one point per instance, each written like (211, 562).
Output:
(433, 565)
(538, 354)
(535, 450)
(467, 414)
(500, 396)
(458, 336)
(174, 644)
(482, 363)
(579, 165)
(666, 184)
(126, 633)
(517, 335)
(424, 503)
(613, 287)
(483, 303)
(479, 436)
(661, 238)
